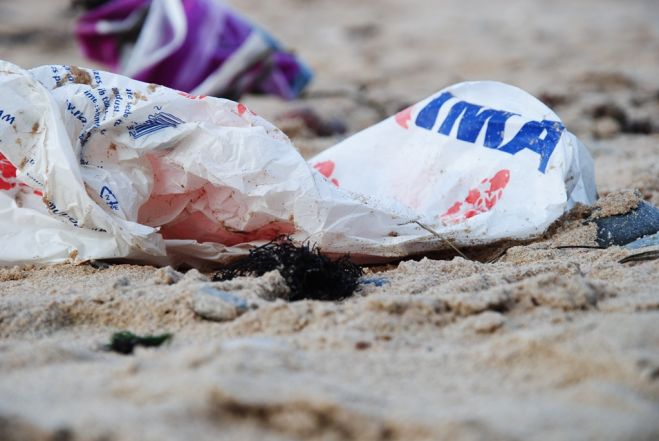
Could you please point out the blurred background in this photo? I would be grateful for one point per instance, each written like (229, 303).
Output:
(595, 62)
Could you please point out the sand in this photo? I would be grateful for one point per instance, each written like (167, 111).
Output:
(541, 343)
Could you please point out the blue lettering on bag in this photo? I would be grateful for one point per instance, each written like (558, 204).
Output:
(540, 137)
(7, 117)
(155, 122)
(530, 137)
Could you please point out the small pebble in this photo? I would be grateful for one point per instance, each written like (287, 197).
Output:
(216, 305)
(166, 276)
(487, 322)
(362, 345)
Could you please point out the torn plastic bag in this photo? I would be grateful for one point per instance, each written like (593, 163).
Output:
(99, 166)
(198, 46)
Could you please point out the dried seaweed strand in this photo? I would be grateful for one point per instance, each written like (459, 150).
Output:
(641, 257)
(589, 247)
(308, 274)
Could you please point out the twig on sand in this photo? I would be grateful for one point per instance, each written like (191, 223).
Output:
(495, 258)
(437, 235)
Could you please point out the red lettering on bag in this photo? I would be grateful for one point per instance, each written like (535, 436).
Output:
(7, 174)
(326, 168)
(479, 200)
(403, 117)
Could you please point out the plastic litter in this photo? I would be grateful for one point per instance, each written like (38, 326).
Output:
(646, 241)
(99, 166)
(376, 281)
(197, 46)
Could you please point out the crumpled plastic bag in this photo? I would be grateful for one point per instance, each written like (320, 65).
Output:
(99, 166)
(480, 160)
(198, 46)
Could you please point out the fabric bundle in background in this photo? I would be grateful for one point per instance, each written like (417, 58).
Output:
(202, 47)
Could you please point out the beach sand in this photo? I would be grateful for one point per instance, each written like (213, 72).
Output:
(542, 343)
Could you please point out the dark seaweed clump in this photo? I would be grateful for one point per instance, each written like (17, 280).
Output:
(309, 274)
(124, 342)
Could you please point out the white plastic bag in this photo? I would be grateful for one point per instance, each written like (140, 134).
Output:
(479, 161)
(109, 167)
